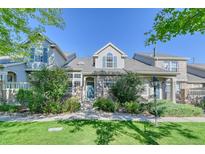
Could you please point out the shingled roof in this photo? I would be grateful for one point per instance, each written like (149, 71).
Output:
(191, 78)
(159, 55)
(85, 65)
(197, 66)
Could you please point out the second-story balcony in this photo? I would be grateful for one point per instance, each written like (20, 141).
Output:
(36, 65)
(15, 85)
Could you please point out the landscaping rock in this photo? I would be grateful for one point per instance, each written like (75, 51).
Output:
(57, 129)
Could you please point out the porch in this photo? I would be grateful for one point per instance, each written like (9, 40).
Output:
(91, 87)
(9, 86)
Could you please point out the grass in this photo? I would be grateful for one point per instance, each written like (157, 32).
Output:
(101, 132)
(169, 109)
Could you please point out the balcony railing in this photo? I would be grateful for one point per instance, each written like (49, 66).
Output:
(15, 85)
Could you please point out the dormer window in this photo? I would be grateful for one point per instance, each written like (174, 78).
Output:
(109, 61)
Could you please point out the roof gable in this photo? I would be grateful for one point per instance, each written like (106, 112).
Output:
(110, 45)
(52, 45)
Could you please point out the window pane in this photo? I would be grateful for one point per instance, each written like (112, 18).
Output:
(109, 60)
(166, 66)
(77, 75)
(174, 66)
(76, 83)
(45, 55)
(70, 75)
(171, 66)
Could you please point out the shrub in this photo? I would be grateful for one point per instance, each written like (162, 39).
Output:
(105, 104)
(117, 106)
(71, 105)
(50, 83)
(127, 88)
(24, 97)
(167, 108)
(52, 107)
(201, 104)
(36, 105)
(145, 107)
(132, 107)
(48, 87)
(9, 108)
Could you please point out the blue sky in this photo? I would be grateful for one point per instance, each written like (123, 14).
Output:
(87, 30)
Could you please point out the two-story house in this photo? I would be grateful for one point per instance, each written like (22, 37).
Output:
(93, 76)
(14, 75)
(186, 79)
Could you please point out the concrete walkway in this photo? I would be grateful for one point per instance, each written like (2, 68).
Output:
(91, 115)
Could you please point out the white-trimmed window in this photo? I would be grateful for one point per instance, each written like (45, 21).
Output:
(39, 54)
(76, 79)
(77, 75)
(171, 66)
(77, 83)
(109, 61)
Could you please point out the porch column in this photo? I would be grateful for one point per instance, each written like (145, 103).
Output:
(173, 90)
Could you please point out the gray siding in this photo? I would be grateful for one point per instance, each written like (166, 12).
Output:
(19, 70)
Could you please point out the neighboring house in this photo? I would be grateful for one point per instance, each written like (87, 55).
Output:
(196, 79)
(188, 77)
(93, 76)
(14, 75)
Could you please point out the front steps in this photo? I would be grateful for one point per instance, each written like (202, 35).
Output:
(87, 106)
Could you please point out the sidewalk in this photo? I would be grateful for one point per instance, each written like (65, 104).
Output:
(95, 115)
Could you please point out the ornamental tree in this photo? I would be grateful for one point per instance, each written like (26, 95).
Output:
(15, 26)
(127, 88)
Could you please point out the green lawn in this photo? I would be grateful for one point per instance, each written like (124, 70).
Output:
(101, 132)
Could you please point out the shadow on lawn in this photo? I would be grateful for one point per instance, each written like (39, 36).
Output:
(20, 127)
(144, 132)
(108, 131)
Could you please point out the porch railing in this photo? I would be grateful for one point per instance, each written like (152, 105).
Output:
(197, 92)
(15, 85)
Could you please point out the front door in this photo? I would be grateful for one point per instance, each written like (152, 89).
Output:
(90, 90)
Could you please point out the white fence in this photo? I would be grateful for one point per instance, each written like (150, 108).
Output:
(16, 85)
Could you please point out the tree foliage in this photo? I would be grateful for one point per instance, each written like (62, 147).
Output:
(15, 26)
(170, 23)
(48, 86)
(127, 88)
(51, 83)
